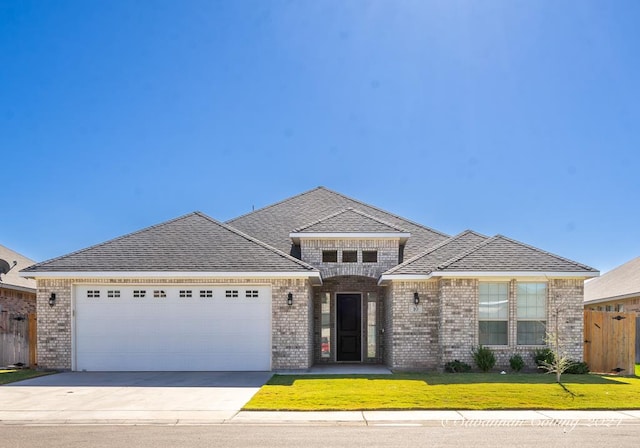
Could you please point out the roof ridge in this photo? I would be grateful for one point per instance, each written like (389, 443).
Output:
(275, 203)
(466, 253)
(317, 221)
(121, 237)
(520, 243)
(261, 243)
(584, 266)
(387, 213)
(432, 249)
(350, 209)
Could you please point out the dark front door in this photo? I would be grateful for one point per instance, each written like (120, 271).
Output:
(348, 312)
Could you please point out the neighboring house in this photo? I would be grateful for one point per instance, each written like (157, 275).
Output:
(17, 305)
(316, 278)
(17, 294)
(617, 290)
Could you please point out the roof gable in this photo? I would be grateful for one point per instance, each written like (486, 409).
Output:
(502, 254)
(349, 220)
(426, 262)
(191, 243)
(619, 282)
(274, 223)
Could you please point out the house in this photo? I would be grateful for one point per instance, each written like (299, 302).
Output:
(316, 278)
(618, 290)
(17, 310)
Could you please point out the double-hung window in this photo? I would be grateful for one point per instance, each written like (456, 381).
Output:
(532, 313)
(493, 313)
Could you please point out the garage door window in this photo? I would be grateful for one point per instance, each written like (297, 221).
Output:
(251, 293)
(186, 293)
(139, 293)
(206, 293)
(231, 293)
(159, 294)
(93, 293)
(113, 294)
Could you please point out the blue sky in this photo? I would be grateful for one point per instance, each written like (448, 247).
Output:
(511, 117)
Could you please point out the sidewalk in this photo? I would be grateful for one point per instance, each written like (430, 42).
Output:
(353, 418)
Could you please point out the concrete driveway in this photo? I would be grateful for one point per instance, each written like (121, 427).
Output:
(127, 397)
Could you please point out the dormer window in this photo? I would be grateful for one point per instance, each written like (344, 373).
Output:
(369, 256)
(329, 256)
(349, 256)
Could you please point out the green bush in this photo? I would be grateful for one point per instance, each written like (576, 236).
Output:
(456, 366)
(542, 356)
(516, 362)
(484, 358)
(577, 368)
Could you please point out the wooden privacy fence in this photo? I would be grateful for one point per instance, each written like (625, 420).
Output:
(610, 341)
(17, 339)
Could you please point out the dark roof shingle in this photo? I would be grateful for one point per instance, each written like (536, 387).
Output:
(273, 224)
(191, 243)
(426, 262)
(349, 221)
(502, 254)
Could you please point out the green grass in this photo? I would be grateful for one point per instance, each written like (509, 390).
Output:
(11, 376)
(445, 391)
(637, 369)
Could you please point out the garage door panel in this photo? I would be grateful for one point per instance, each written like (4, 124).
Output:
(172, 332)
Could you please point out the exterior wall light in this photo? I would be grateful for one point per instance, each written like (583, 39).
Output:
(290, 299)
(416, 298)
(52, 299)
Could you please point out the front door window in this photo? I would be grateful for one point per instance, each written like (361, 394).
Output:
(325, 328)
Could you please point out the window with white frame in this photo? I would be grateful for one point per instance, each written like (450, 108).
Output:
(493, 313)
(532, 313)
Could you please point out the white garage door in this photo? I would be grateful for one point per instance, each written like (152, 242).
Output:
(167, 328)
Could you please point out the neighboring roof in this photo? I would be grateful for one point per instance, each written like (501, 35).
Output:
(349, 220)
(191, 243)
(274, 223)
(12, 279)
(502, 254)
(426, 262)
(619, 283)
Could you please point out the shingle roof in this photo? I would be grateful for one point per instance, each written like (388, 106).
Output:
(191, 243)
(426, 262)
(349, 220)
(619, 282)
(274, 223)
(502, 254)
(12, 278)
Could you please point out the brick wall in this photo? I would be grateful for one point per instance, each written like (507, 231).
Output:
(388, 250)
(290, 331)
(458, 319)
(413, 340)
(17, 302)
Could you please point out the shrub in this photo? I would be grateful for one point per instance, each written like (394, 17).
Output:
(456, 366)
(516, 362)
(484, 358)
(577, 368)
(543, 356)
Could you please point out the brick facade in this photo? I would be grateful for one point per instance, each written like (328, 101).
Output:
(291, 330)
(441, 328)
(444, 326)
(388, 252)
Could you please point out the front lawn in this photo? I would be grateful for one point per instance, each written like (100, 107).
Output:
(11, 376)
(445, 391)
